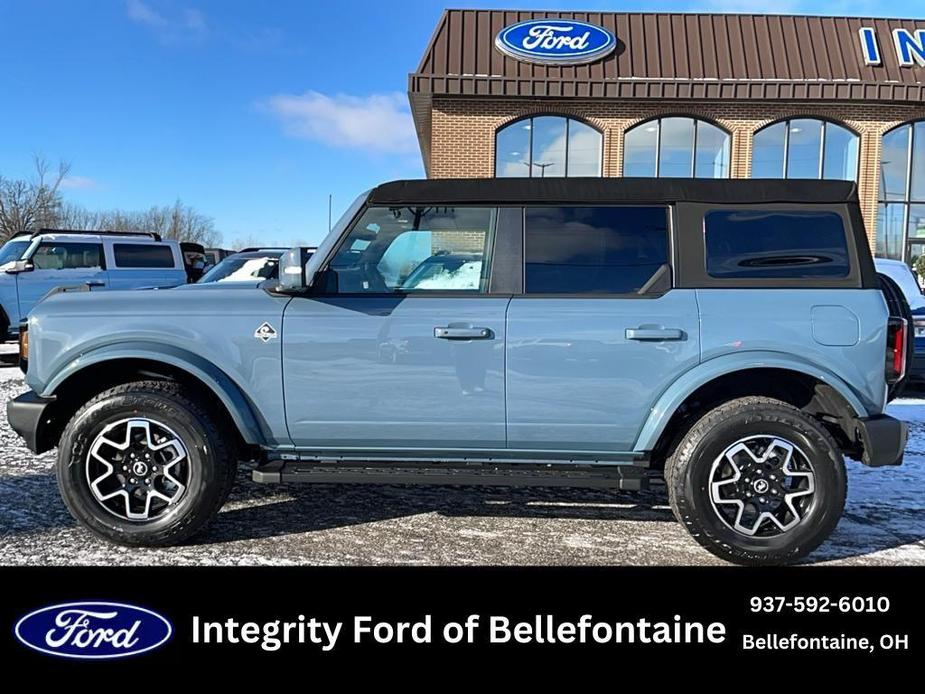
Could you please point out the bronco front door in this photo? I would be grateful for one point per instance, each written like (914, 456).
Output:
(400, 344)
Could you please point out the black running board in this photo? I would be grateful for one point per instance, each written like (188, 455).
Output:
(623, 477)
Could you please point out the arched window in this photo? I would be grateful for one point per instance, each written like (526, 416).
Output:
(676, 147)
(544, 146)
(901, 214)
(805, 148)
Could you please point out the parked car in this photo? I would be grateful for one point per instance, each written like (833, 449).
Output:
(905, 280)
(194, 260)
(731, 335)
(33, 264)
(216, 255)
(245, 269)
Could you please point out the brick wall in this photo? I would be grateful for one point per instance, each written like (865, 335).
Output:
(463, 131)
(458, 241)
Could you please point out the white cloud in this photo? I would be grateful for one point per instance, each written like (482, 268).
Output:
(176, 26)
(378, 122)
(139, 12)
(78, 183)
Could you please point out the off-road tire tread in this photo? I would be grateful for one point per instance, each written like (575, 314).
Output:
(221, 441)
(767, 409)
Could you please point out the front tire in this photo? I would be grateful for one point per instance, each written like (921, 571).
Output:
(757, 482)
(146, 464)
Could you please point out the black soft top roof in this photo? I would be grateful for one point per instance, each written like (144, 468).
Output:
(610, 190)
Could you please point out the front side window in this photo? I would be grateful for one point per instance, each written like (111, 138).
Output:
(142, 255)
(414, 249)
(67, 256)
(546, 147)
(901, 214)
(676, 147)
(805, 148)
(775, 244)
(586, 250)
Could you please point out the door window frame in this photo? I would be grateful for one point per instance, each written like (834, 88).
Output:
(30, 254)
(660, 289)
(503, 248)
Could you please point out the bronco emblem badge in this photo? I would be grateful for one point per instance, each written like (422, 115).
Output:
(265, 332)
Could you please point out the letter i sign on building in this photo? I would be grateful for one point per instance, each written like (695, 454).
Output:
(909, 46)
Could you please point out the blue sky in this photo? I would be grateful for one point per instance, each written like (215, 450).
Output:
(253, 112)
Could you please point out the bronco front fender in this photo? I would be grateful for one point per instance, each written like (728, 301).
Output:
(709, 370)
(224, 388)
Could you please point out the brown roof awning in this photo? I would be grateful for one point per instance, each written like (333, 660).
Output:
(671, 56)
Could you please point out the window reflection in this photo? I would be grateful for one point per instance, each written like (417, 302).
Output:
(547, 146)
(676, 147)
(805, 148)
(640, 150)
(901, 213)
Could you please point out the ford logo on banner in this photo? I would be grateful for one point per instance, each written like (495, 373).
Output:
(555, 41)
(93, 630)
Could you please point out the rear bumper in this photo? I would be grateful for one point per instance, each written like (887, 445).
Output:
(916, 371)
(883, 439)
(27, 414)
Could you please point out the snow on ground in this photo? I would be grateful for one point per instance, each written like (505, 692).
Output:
(884, 521)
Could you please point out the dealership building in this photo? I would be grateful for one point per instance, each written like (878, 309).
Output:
(501, 93)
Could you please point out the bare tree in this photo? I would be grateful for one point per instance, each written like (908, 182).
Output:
(33, 203)
(249, 241)
(177, 221)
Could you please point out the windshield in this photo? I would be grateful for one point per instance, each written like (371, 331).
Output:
(236, 269)
(13, 250)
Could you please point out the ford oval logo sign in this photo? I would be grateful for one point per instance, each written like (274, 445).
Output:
(555, 41)
(93, 630)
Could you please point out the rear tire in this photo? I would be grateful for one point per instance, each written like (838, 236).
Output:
(147, 463)
(757, 482)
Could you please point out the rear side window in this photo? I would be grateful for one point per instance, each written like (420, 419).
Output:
(586, 250)
(142, 255)
(777, 244)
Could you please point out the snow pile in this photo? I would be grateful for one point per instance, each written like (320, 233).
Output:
(466, 276)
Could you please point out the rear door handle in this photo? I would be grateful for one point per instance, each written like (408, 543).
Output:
(450, 333)
(654, 334)
(95, 283)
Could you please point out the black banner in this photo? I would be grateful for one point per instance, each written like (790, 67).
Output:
(318, 617)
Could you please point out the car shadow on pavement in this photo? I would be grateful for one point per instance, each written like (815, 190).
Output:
(29, 503)
(297, 508)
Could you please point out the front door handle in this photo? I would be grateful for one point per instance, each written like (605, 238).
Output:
(95, 283)
(451, 333)
(654, 334)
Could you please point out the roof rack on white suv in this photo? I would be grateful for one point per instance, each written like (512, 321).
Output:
(91, 232)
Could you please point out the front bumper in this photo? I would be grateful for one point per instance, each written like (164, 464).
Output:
(883, 439)
(28, 415)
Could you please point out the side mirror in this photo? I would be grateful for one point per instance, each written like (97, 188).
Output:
(292, 274)
(20, 266)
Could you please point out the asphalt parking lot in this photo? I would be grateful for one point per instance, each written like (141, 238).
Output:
(884, 522)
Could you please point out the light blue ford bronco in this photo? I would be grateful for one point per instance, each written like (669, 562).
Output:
(34, 263)
(730, 335)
